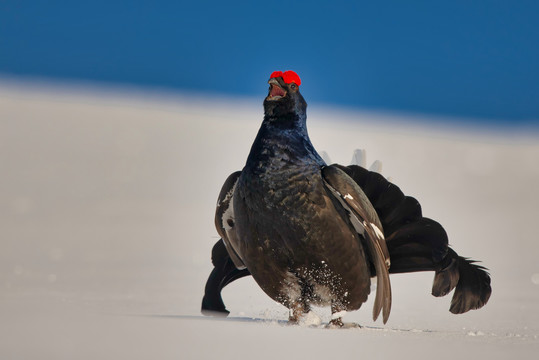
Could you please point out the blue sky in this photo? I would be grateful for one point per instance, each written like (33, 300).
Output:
(459, 58)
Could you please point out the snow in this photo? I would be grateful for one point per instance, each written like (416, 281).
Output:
(311, 319)
(106, 227)
(338, 315)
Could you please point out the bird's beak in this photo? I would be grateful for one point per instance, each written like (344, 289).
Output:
(276, 91)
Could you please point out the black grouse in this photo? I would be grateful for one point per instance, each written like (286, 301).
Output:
(315, 234)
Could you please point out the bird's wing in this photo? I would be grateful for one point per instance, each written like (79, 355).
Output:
(224, 218)
(365, 220)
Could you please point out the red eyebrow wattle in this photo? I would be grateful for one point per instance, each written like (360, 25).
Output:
(288, 76)
(276, 74)
(291, 77)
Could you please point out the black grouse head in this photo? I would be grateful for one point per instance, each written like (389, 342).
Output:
(284, 100)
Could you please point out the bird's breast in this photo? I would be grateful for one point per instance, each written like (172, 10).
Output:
(285, 210)
(285, 188)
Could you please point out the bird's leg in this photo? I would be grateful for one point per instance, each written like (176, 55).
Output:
(337, 311)
(336, 318)
(297, 310)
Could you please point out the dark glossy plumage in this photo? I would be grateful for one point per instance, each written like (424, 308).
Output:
(310, 233)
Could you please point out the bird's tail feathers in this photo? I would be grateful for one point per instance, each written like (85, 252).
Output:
(470, 281)
(224, 273)
(473, 287)
(446, 277)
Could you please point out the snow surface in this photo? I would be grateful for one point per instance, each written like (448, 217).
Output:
(106, 226)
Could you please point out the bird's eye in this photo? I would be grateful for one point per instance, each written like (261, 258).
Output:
(293, 86)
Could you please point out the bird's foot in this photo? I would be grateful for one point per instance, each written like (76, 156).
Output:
(337, 312)
(293, 320)
(339, 324)
(296, 312)
(335, 323)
